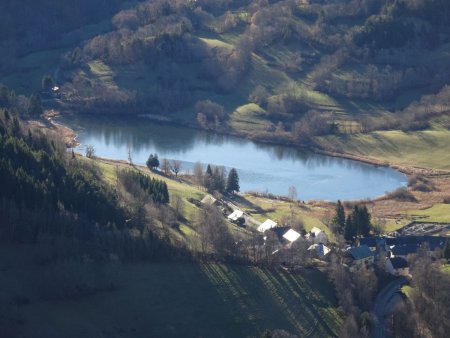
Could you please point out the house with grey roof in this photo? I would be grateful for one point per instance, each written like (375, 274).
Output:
(361, 255)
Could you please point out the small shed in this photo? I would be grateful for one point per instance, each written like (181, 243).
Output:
(320, 250)
(235, 215)
(208, 200)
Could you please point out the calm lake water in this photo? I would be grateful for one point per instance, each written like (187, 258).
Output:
(261, 167)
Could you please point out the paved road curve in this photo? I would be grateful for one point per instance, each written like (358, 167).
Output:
(382, 305)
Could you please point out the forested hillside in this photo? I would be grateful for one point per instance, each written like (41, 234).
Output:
(280, 70)
(48, 191)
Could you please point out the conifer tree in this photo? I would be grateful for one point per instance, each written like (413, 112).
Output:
(349, 230)
(233, 181)
(339, 218)
(209, 170)
(152, 161)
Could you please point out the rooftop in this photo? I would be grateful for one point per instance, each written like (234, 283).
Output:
(321, 249)
(315, 231)
(266, 225)
(280, 231)
(236, 214)
(208, 200)
(291, 235)
(361, 252)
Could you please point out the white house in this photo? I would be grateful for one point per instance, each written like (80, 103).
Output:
(268, 224)
(317, 236)
(235, 215)
(291, 235)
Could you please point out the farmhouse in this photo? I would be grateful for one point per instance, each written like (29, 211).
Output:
(266, 225)
(362, 255)
(280, 237)
(291, 235)
(374, 243)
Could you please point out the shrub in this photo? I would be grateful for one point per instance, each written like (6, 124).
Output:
(419, 182)
(402, 194)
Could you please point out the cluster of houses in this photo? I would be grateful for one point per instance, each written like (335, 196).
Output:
(394, 250)
(287, 236)
(284, 235)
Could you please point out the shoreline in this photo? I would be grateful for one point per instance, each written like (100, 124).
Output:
(383, 206)
(406, 170)
(70, 139)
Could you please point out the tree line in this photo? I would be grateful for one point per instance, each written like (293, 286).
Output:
(34, 178)
(153, 188)
(355, 224)
(215, 178)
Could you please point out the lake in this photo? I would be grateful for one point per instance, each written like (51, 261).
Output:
(261, 167)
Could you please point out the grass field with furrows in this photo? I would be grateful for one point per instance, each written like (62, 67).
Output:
(178, 299)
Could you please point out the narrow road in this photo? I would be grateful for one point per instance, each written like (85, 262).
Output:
(384, 304)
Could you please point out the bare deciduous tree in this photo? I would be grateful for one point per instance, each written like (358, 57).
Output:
(214, 234)
(198, 174)
(90, 151)
(175, 166)
(165, 166)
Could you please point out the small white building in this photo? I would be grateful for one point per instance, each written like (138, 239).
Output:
(208, 200)
(319, 249)
(266, 225)
(235, 215)
(317, 236)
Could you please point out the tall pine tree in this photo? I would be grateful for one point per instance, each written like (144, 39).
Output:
(233, 181)
(339, 218)
(349, 230)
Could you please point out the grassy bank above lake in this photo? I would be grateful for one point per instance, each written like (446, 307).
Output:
(426, 149)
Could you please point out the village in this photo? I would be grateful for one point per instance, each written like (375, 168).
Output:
(391, 251)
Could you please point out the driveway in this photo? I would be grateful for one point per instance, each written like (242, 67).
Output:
(384, 304)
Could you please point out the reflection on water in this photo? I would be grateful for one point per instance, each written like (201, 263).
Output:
(261, 167)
